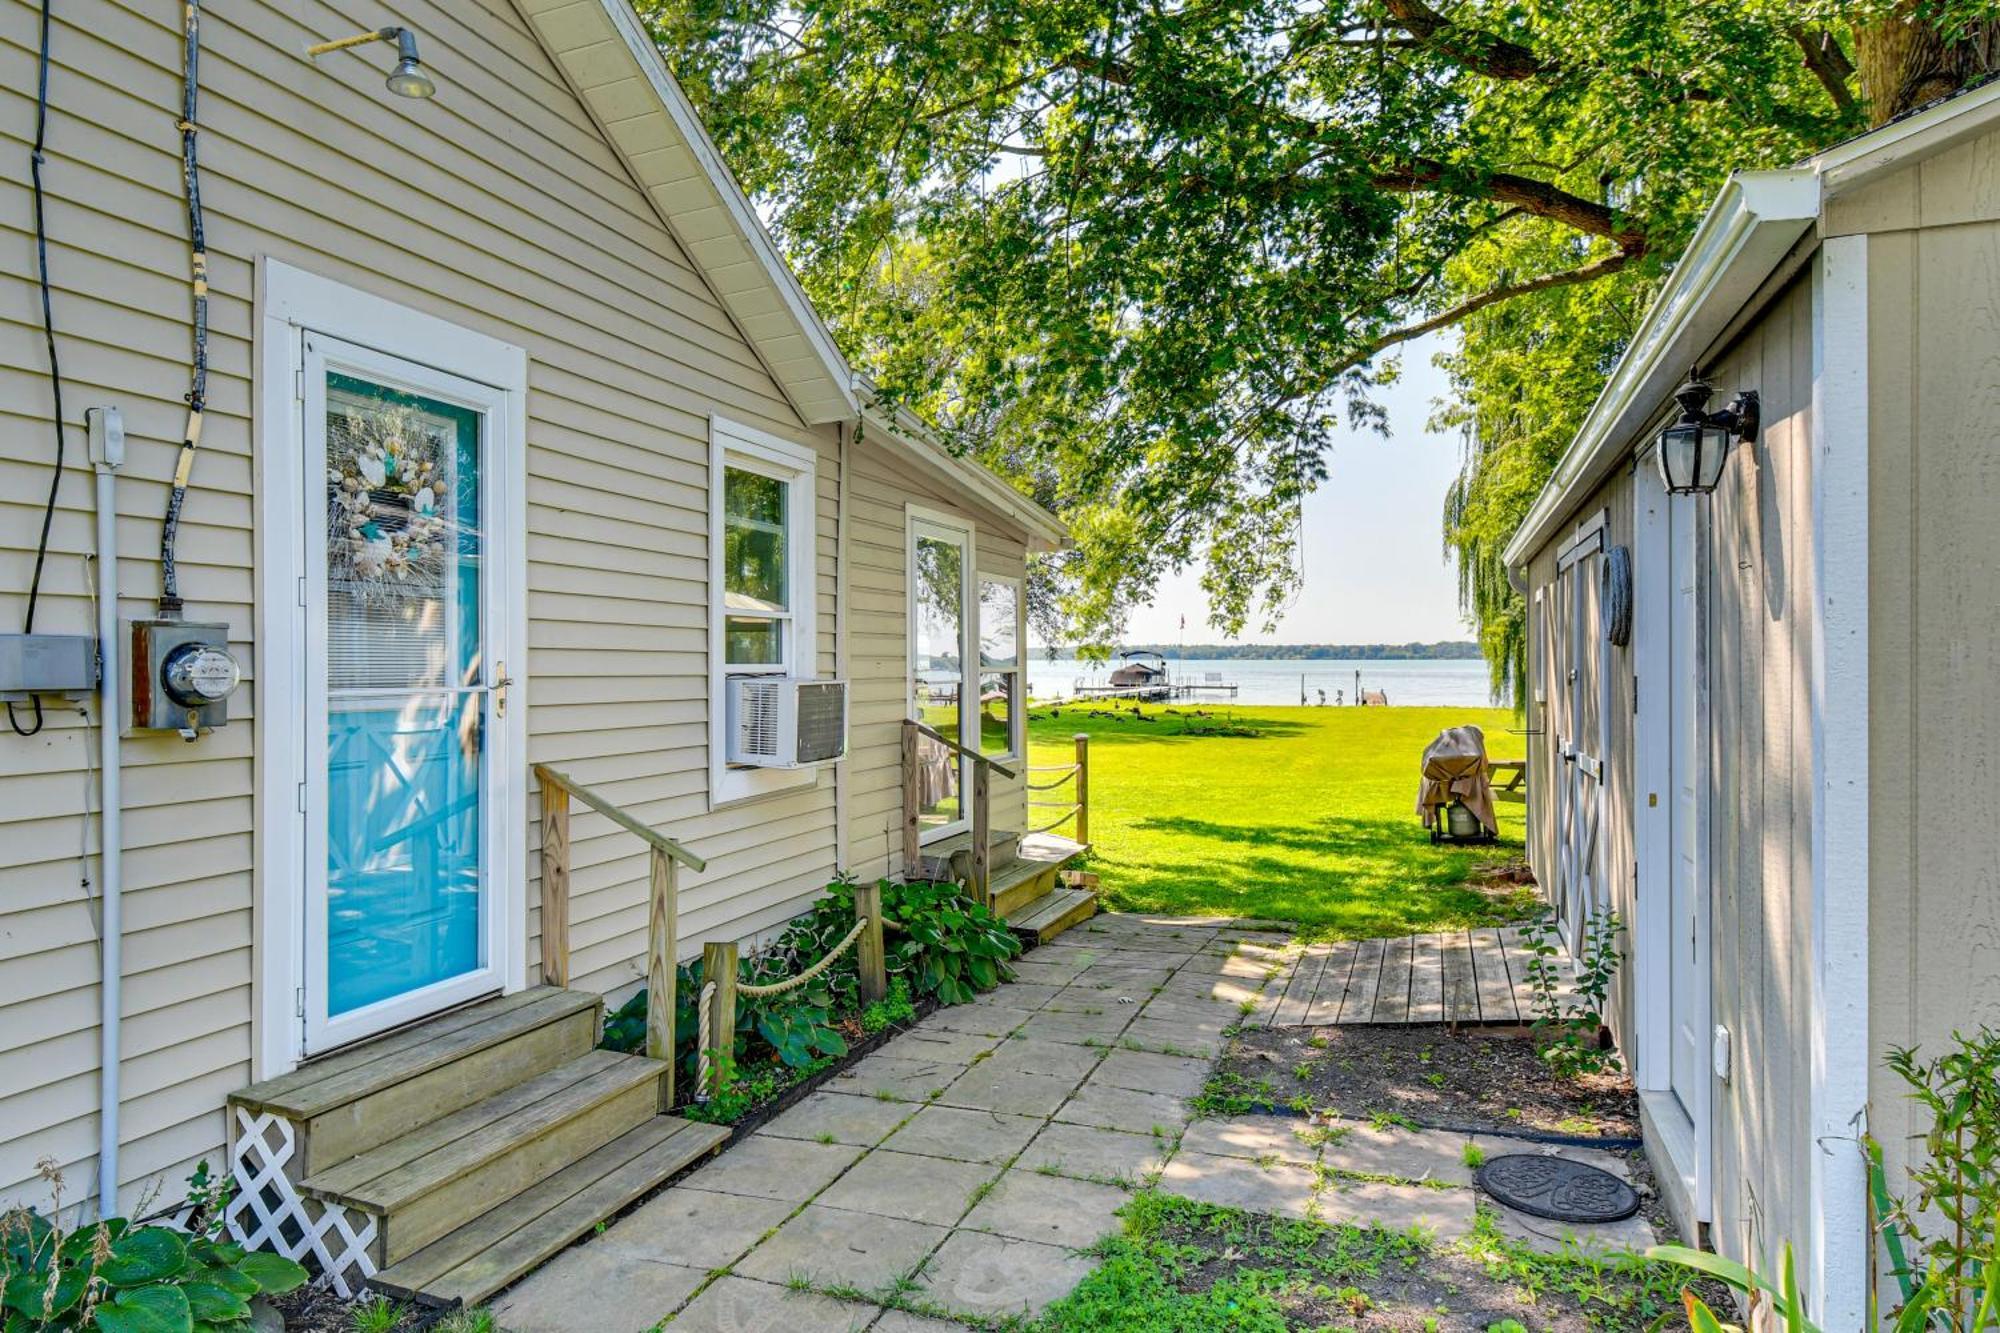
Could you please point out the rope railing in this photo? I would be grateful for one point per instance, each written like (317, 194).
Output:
(1053, 784)
(715, 1016)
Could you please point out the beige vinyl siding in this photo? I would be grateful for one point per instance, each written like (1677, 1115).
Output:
(496, 206)
(878, 644)
(1934, 619)
(1758, 581)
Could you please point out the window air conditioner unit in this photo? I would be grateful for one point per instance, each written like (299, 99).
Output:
(785, 722)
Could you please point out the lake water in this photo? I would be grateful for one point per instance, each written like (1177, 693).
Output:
(1425, 682)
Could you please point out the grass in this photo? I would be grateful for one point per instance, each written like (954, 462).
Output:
(1185, 1267)
(1290, 814)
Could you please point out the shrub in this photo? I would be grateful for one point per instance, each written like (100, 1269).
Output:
(1568, 1027)
(120, 1278)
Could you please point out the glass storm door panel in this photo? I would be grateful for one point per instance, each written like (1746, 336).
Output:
(941, 562)
(398, 843)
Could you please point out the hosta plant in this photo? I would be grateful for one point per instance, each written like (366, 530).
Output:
(116, 1277)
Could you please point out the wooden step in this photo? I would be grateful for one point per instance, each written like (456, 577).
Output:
(1038, 862)
(1051, 914)
(435, 1179)
(506, 1241)
(365, 1096)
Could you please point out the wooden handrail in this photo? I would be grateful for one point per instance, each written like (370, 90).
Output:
(662, 908)
(551, 778)
(967, 751)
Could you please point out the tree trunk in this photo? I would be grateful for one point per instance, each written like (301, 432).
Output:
(1904, 61)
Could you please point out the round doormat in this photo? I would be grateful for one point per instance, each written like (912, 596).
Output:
(1557, 1188)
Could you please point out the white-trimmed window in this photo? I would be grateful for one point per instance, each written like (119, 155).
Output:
(1001, 666)
(761, 544)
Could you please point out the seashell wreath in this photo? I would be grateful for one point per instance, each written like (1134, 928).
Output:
(386, 492)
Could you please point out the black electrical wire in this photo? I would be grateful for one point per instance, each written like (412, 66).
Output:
(197, 394)
(35, 159)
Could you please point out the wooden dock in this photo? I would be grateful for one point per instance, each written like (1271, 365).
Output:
(1456, 976)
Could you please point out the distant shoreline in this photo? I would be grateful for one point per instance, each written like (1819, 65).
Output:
(1441, 651)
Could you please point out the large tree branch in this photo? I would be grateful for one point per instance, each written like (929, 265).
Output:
(1524, 192)
(1591, 272)
(1483, 53)
(1830, 65)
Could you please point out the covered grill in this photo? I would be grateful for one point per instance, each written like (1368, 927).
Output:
(1456, 794)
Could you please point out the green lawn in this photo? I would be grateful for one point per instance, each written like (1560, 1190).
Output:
(1306, 815)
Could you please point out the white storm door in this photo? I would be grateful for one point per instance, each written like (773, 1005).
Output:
(405, 619)
(1688, 968)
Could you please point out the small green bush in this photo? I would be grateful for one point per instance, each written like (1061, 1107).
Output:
(115, 1277)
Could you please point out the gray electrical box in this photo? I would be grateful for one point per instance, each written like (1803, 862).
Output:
(31, 664)
(182, 676)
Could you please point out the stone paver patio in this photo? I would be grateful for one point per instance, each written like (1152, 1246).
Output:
(962, 1166)
(965, 1166)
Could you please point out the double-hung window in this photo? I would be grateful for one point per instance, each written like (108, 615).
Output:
(1000, 666)
(761, 580)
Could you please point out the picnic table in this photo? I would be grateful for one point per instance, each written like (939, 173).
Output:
(1510, 780)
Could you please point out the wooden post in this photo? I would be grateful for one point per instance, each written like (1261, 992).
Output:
(718, 964)
(868, 954)
(555, 883)
(1082, 786)
(912, 851)
(982, 834)
(661, 946)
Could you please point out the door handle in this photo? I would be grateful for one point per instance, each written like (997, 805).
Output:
(500, 687)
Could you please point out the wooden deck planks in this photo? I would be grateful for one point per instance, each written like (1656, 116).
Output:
(1426, 979)
(1477, 975)
(1292, 1008)
(1359, 1004)
(1461, 994)
(1332, 986)
(1392, 996)
(1490, 980)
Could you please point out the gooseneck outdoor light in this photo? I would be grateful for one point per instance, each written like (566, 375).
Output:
(1693, 449)
(408, 78)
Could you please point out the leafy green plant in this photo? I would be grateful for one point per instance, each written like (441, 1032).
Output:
(1570, 1019)
(893, 1008)
(115, 1277)
(1942, 1243)
(1788, 1310)
(948, 946)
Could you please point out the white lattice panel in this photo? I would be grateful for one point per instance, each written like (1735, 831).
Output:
(268, 1213)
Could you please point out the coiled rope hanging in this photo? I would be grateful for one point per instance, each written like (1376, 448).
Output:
(197, 394)
(1616, 585)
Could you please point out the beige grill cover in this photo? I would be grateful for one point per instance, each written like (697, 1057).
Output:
(1455, 768)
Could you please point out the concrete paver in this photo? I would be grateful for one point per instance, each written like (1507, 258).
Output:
(917, 1189)
(1058, 1211)
(834, 1247)
(742, 1305)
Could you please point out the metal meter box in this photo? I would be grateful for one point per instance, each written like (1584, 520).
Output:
(182, 676)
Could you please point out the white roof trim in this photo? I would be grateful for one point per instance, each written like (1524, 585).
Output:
(909, 436)
(604, 52)
(1753, 223)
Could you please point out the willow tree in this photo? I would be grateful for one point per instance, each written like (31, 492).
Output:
(1153, 259)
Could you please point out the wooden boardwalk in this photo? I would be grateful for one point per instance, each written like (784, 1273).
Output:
(1456, 976)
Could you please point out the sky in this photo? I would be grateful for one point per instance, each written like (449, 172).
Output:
(1375, 570)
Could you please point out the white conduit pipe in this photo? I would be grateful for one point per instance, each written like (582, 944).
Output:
(110, 833)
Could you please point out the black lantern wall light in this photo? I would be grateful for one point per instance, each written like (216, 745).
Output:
(1693, 449)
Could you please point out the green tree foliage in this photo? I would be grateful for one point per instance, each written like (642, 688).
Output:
(1153, 260)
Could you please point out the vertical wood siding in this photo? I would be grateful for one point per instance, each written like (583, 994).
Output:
(1934, 617)
(497, 206)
